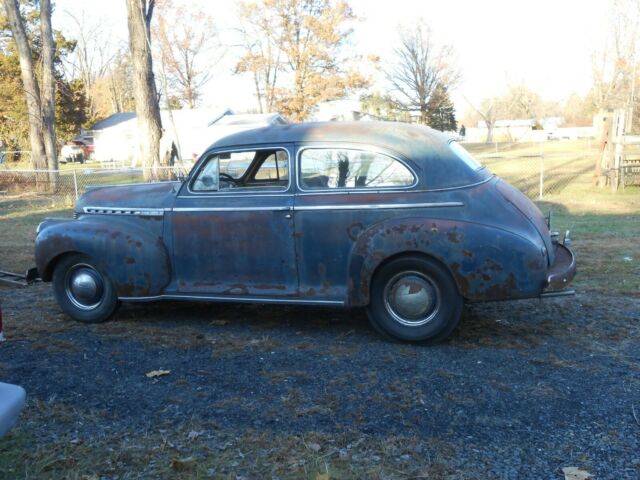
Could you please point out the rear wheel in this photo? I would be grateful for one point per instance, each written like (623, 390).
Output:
(414, 299)
(83, 290)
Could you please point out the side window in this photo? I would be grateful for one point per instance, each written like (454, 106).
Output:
(346, 168)
(274, 169)
(246, 169)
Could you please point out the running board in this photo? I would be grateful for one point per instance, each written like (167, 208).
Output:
(558, 293)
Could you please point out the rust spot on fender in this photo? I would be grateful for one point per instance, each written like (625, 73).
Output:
(354, 230)
(453, 237)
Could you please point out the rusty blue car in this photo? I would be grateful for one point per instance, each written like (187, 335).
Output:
(395, 218)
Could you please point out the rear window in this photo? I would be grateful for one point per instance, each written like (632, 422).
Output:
(465, 156)
(348, 168)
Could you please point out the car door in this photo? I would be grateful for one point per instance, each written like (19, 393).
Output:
(232, 226)
(342, 191)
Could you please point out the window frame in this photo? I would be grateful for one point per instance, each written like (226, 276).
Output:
(298, 173)
(242, 190)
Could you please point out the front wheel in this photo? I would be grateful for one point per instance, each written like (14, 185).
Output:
(414, 299)
(83, 290)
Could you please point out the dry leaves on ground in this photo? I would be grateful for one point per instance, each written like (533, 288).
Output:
(157, 373)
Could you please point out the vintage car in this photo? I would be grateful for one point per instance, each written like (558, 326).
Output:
(392, 217)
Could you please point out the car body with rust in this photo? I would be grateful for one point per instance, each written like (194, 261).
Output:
(393, 217)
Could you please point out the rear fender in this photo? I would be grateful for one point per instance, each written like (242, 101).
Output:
(487, 263)
(129, 249)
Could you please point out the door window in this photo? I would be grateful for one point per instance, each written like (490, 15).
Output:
(347, 168)
(253, 169)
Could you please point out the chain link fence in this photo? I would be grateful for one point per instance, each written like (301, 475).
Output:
(67, 185)
(537, 174)
(541, 175)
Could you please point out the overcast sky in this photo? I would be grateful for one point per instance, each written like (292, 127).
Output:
(546, 44)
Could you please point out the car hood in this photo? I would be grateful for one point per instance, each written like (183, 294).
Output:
(159, 195)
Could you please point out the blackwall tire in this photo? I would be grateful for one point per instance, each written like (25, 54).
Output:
(414, 299)
(83, 290)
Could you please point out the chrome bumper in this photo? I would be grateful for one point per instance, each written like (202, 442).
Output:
(562, 271)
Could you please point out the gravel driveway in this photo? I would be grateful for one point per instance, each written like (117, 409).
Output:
(520, 391)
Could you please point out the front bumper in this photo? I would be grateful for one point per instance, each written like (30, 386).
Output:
(563, 269)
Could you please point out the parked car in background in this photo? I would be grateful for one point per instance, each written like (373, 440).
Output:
(72, 153)
(86, 143)
(396, 218)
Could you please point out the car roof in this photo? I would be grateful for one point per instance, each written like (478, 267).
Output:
(399, 137)
(425, 147)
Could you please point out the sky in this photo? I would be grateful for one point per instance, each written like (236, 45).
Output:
(547, 44)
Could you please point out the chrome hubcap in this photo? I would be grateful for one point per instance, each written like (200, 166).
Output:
(412, 298)
(84, 287)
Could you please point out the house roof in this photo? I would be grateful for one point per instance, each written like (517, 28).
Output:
(186, 117)
(113, 120)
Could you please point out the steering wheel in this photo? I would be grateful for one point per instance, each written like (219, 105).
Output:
(228, 178)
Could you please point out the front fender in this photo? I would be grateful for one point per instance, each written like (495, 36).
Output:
(487, 263)
(129, 249)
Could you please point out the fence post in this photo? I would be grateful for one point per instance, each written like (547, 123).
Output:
(541, 192)
(75, 182)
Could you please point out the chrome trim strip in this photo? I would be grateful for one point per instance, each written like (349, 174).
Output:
(360, 148)
(248, 195)
(127, 211)
(445, 189)
(381, 206)
(233, 209)
(230, 299)
(216, 193)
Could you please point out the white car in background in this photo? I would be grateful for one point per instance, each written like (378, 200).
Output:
(72, 153)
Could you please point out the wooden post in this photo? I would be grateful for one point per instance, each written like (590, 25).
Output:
(618, 138)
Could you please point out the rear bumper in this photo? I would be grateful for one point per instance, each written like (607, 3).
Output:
(563, 269)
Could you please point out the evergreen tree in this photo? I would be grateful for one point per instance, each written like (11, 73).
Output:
(441, 114)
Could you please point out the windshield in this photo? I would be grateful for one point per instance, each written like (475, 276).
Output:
(465, 156)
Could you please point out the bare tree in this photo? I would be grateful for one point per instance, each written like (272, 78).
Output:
(311, 36)
(614, 66)
(139, 14)
(48, 90)
(262, 57)
(93, 56)
(29, 82)
(421, 65)
(182, 46)
(488, 110)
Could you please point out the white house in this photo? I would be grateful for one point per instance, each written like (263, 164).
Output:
(191, 130)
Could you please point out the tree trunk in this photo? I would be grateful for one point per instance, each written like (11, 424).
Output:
(489, 132)
(48, 92)
(30, 84)
(147, 110)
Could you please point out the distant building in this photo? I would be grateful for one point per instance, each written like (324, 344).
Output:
(191, 130)
(528, 130)
(342, 111)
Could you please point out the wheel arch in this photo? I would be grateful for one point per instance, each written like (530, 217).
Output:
(137, 261)
(486, 263)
